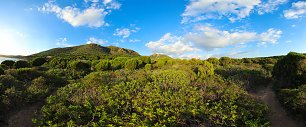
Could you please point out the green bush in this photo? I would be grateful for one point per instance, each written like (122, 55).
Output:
(38, 89)
(225, 61)
(294, 100)
(149, 67)
(103, 65)
(1, 71)
(4, 66)
(8, 63)
(289, 71)
(38, 61)
(118, 63)
(167, 98)
(205, 71)
(61, 63)
(21, 64)
(79, 65)
(132, 64)
(214, 61)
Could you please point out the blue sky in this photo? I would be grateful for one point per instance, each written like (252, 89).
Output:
(179, 28)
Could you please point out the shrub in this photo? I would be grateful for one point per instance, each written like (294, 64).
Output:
(21, 64)
(289, 71)
(205, 71)
(132, 64)
(214, 61)
(294, 101)
(149, 67)
(118, 63)
(103, 65)
(59, 63)
(5, 67)
(145, 59)
(79, 65)
(38, 61)
(1, 71)
(8, 63)
(225, 61)
(38, 89)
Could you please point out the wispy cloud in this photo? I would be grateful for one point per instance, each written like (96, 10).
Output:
(297, 10)
(62, 42)
(93, 40)
(126, 32)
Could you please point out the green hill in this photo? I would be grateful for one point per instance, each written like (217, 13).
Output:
(87, 50)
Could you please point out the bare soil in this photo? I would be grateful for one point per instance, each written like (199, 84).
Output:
(23, 118)
(278, 116)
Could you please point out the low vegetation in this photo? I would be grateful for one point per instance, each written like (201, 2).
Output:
(131, 90)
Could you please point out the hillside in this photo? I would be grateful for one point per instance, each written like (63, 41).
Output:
(87, 50)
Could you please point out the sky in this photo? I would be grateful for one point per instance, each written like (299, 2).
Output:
(178, 28)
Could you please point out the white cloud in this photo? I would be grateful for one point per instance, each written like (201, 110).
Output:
(62, 42)
(171, 45)
(270, 36)
(209, 38)
(126, 32)
(234, 10)
(92, 16)
(93, 40)
(270, 6)
(297, 10)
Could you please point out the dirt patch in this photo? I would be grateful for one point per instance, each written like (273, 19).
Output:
(23, 118)
(278, 116)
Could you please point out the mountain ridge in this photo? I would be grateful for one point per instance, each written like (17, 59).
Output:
(87, 50)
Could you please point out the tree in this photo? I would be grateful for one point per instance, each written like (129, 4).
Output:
(21, 64)
(38, 61)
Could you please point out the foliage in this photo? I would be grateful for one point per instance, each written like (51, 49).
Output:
(247, 78)
(9, 63)
(290, 70)
(88, 51)
(79, 65)
(149, 67)
(160, 98)
(4, 67)
(225, 61)
(38, 89)
(1, 71)
(38, 61)
(118, 63)
(103, 65)
(214, 61)
(294, 100)
(21, 64)
(57, 62)
(132, 64)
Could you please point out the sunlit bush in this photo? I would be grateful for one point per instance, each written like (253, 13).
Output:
(103, 65)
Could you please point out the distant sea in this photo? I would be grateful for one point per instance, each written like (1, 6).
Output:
(5, 58)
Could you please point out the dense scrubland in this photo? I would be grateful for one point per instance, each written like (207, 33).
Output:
(91, 85)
